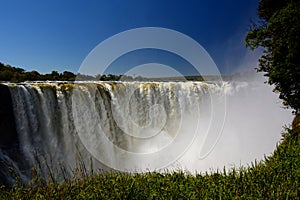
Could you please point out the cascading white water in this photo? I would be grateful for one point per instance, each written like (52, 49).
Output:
(138, 126)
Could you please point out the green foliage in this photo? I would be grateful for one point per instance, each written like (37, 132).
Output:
(278, 33)
(278, 177)
(13, 74)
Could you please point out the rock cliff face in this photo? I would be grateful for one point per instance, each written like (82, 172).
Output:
(8, 132)
(9, 142)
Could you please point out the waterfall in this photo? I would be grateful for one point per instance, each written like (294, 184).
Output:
(127, 126)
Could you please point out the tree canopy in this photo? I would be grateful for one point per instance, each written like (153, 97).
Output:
(278, 32)
(15, 74)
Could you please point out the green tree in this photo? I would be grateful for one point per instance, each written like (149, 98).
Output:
(55, 75)
(6, 75)
(278, 32)
(68, 76)
(32, 76)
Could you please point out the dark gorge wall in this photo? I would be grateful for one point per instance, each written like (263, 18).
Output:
(8, 133)
(9, 143)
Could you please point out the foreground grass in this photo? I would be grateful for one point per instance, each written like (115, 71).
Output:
(278, 177)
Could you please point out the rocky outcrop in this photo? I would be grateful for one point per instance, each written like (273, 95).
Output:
(8, 133)
(9, 143)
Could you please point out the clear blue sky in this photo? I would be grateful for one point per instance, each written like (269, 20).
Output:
(58, 34)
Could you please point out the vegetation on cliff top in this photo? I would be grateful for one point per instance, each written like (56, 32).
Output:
(15, 74)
